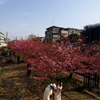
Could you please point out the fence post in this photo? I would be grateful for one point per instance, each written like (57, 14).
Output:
(98, 79)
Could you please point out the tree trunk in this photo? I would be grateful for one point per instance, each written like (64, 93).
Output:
(70, 76)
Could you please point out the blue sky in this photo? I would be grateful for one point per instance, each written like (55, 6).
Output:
(21, 18)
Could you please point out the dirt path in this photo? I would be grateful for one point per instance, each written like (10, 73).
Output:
(17, 86)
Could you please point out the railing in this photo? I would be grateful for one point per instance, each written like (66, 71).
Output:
(92, 83)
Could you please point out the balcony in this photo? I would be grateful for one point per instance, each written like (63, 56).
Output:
(55, 31)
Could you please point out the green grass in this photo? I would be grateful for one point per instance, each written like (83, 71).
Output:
(1, 72)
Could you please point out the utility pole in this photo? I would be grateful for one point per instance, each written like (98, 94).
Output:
(7, 38)
(7, 42)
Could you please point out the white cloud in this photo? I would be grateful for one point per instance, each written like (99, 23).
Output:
(3, 2)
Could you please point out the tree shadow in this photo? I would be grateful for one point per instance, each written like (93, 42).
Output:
(22, 87)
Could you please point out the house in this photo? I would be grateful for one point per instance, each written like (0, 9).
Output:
(55, 33)
(1, 38)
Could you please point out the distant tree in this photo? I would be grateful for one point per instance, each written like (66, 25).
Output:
(31, 36)
(73, 37)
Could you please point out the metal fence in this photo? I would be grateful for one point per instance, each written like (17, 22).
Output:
(92, 83)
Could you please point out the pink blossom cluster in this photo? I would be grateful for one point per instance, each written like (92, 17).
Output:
(50, 59)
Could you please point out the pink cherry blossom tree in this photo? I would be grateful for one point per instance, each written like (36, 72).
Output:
(53, 59)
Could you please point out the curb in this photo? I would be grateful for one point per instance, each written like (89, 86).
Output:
(86, 91)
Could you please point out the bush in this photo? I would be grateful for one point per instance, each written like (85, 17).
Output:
(3, 51)
(73, 37)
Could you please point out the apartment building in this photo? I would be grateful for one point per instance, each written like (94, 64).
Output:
(73, 30)
(54, 33)
(1, 38)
